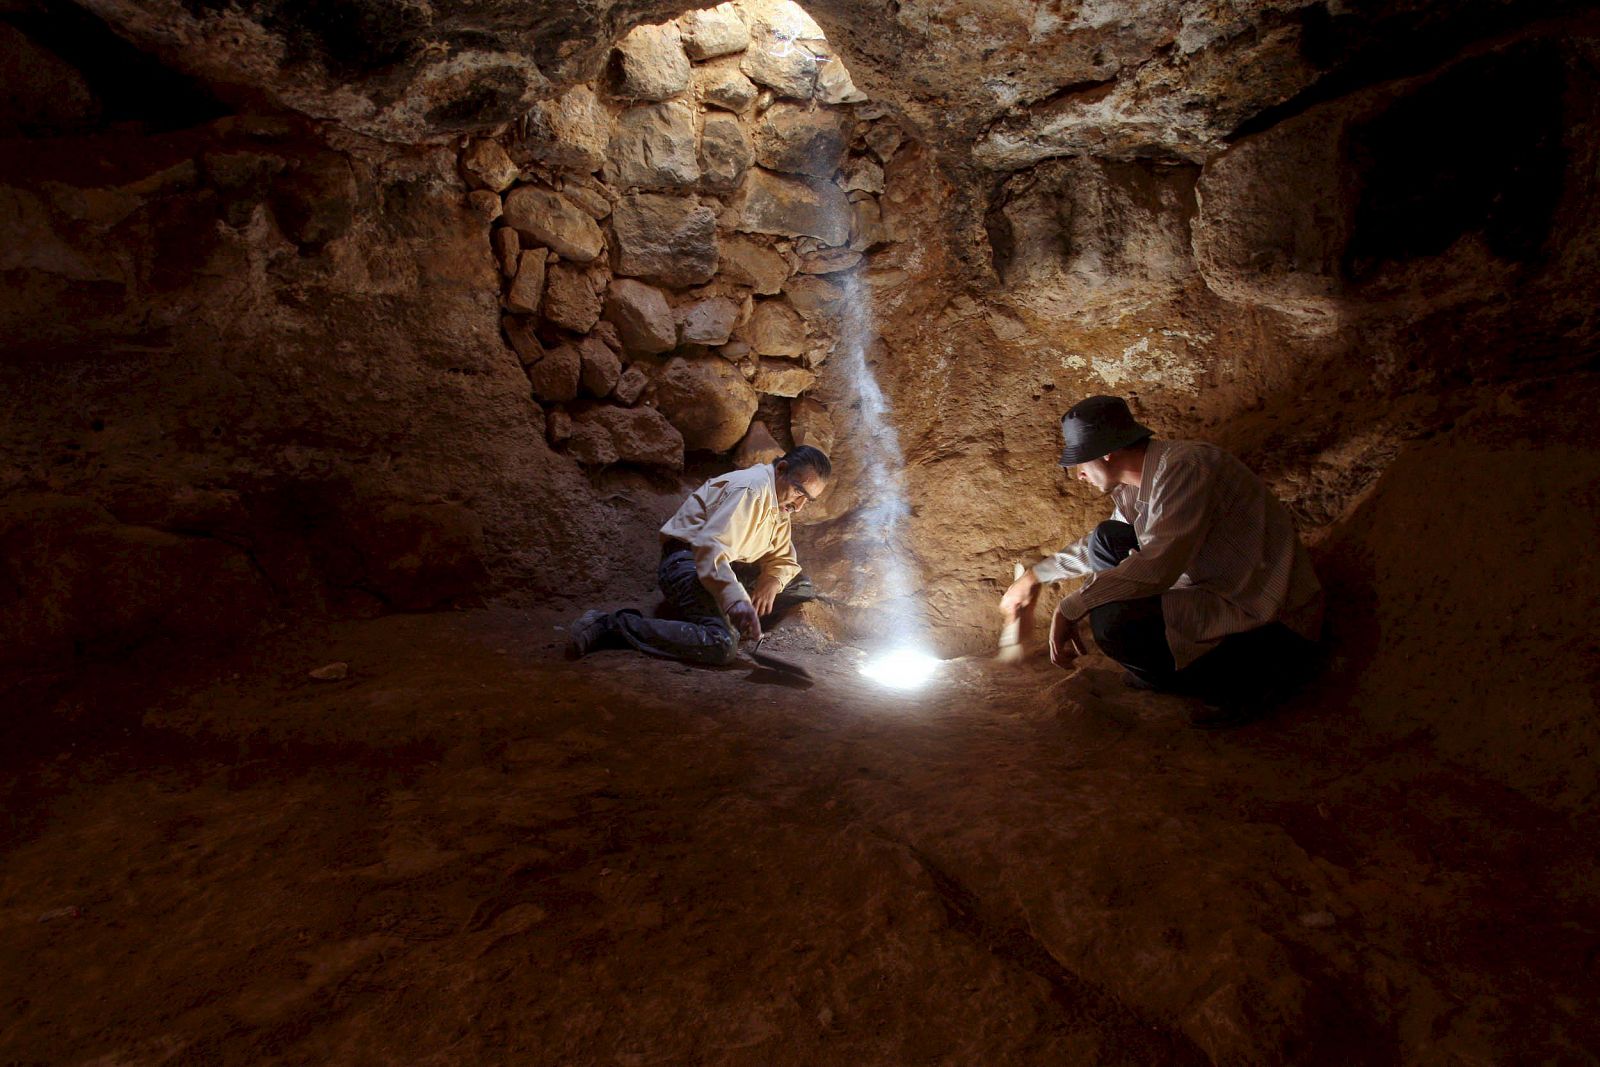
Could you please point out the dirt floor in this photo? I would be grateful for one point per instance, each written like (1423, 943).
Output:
(472, 851)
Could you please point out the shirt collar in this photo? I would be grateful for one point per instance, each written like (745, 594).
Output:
(1152, 459)
(772, 487)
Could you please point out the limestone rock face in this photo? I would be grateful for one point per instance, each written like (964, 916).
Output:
(572, 130)
(713, 31)
(572, 296)
(774, 60)
(528, 286)
(707, 399)
(709, 321)
(864, 175)
(558, 426)
(588, 194)
(642, 318)
(315, 202)
(668, 239)
(810, 424)
(589, 443)
(816, 298)
(633, 435)
(507, 250)
(1273, 220)
(600, 367)
(524, 342)
(883, 138)
(653, 147)
(547, 218)
(798, 140)
(1091, 228)
(555, 377)
(792, 207)
(631, 386)
(829, 261)
(775, 330)
(866, 226)
(653, 63)
(485, 203)
(755, 265)
(778, 377)
(722, 84)
(485, 165)
(758, 446)
(725, 153)
(834, 85)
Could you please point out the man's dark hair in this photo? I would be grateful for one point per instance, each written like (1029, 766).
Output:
(802, 458)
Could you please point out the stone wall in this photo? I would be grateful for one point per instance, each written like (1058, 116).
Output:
(675, 239)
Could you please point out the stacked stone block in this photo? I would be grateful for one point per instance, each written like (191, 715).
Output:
(670, 240)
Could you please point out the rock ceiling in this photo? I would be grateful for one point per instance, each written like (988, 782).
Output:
(996, 83)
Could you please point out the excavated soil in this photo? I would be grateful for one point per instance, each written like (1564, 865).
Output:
(471, 850)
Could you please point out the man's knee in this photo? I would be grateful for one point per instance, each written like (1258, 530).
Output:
(722, 648)
(1110, 543)
(1133, 633)
(1116, 629)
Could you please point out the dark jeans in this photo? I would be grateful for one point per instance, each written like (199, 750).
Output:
(699, 632)
(1263, 664)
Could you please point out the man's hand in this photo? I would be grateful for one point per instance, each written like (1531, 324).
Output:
(764, 594)
(1019, 595)
(1065, 643)
(743, 615)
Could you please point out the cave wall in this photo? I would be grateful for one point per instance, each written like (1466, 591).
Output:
(1301, 297)
(256, 324)
(276, 359)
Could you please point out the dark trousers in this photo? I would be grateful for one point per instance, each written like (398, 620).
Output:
(1263, 664)
(696, 630)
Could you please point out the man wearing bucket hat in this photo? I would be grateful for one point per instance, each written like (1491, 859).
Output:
(1197, 584)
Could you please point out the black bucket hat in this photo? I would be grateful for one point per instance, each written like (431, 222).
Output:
(1097, 426)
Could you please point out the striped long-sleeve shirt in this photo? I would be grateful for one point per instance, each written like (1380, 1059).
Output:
(1214, 543)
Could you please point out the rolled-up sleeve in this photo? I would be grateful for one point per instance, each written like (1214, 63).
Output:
(1176, 524)
(1072, 561)
(781, 563)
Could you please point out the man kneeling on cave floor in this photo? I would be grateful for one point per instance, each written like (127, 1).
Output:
(1197, 584)
(735, 521)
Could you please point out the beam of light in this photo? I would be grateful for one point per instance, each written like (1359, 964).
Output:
(901, 668)
(900, 661)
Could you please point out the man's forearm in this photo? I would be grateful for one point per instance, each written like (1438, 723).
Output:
(1070, 562)
(711, 563)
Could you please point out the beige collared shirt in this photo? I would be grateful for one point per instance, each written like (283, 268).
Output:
(1214, 543)
(735, 518)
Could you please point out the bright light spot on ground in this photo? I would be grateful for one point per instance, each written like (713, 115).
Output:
(901, 668)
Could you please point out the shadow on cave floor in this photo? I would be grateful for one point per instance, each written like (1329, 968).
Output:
(471, 850)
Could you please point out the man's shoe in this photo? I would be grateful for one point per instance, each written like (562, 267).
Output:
(588, 633)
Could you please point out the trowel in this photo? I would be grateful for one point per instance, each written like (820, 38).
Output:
(777, 663)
